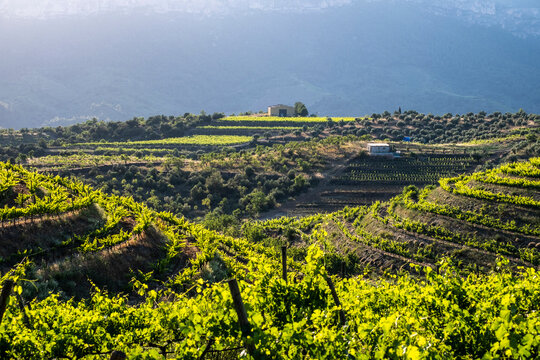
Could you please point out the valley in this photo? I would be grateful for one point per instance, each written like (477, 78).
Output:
(141, 238)
(155, 205)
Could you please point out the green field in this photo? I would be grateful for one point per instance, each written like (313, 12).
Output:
(287, 119)
(239, 127)
(202, 140)
(87, 160)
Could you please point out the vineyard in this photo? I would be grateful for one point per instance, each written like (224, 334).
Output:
(82, 160)
(198, 140)
(269, 126)
(304, 313)
(238, 127)
(405, 318)
(242, 130)
(375, 271)
(419, 170)
(296, 119)
(195, 182)
(342, 176)
(266, 125)
(474, 219)
(441, 244)
(105, 229)
(366, 179)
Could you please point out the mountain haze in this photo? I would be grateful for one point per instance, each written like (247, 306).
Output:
(340, 58)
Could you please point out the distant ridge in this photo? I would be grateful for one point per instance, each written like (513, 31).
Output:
(360, 58)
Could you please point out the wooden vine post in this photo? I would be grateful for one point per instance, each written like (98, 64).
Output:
(4, 297)
(336, 299)
(245, 326)
(22, 307)
(284, 262)
(118, 355)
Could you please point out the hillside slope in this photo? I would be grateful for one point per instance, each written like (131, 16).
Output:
(450, 313)
(72, 233)
(474, 219)
(76, 237)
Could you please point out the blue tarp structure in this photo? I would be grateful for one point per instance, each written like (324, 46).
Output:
(406, 138)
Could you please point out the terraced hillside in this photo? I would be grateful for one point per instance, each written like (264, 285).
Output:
(395, 127)
(365, 179)
(75, 235)
(244, 182)
(474, 219)
(168, 176)
(188, 164)
(267, 126)
(179, 306)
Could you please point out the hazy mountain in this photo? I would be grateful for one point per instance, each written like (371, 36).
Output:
(520, 17)
(355, 58)
(56, 8)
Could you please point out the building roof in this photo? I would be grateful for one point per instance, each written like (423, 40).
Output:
(378, 144)
(280, 105)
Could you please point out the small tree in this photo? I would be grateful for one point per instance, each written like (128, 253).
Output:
(300, 109)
